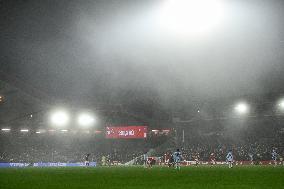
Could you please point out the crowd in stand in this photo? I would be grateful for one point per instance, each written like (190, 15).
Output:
(73, 149)
(66, 149)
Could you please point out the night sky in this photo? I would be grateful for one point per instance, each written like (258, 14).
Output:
(82, 51)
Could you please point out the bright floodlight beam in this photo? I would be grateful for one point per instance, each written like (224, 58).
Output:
(86, 120)
(6, 129)
(281, 104)
(191, 16)
(40, 131)
(242, 108)
(59, 118)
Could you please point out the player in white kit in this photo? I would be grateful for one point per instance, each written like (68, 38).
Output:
(274, 157)
(230, 158)
(177, 159)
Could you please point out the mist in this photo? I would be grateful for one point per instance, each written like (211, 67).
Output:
(113, 82)
(73, 50)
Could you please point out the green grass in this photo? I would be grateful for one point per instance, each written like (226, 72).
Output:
(141, 178)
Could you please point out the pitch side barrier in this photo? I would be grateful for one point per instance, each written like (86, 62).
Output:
(48, 164)
(189, 163)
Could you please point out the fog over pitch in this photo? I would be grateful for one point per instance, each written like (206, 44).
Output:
(101, 50)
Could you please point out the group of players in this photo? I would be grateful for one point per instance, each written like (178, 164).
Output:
(175, 159)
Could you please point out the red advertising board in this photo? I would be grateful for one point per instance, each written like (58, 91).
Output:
(126, 132)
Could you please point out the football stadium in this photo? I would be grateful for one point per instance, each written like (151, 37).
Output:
(141, 94)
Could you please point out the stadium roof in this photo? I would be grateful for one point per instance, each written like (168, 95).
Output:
(17, 106)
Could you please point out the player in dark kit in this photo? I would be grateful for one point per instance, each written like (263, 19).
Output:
(212, 159)
(196, 158)
(171, 161)
(151, 161)
(87, 162)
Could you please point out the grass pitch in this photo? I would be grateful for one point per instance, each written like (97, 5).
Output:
(141, 178)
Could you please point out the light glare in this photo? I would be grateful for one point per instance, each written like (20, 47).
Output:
(85, 120)
(59, 118)
(40, 131)
(191, 16)
(242, 108)
(281, 104)
(5, 129)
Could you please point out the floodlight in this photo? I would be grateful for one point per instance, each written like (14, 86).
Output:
(242, 108)
(191, 16)
(40, 131)
(24, 130)
(5, 129)
(59, 118)
(281, 104)
(86, 119)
